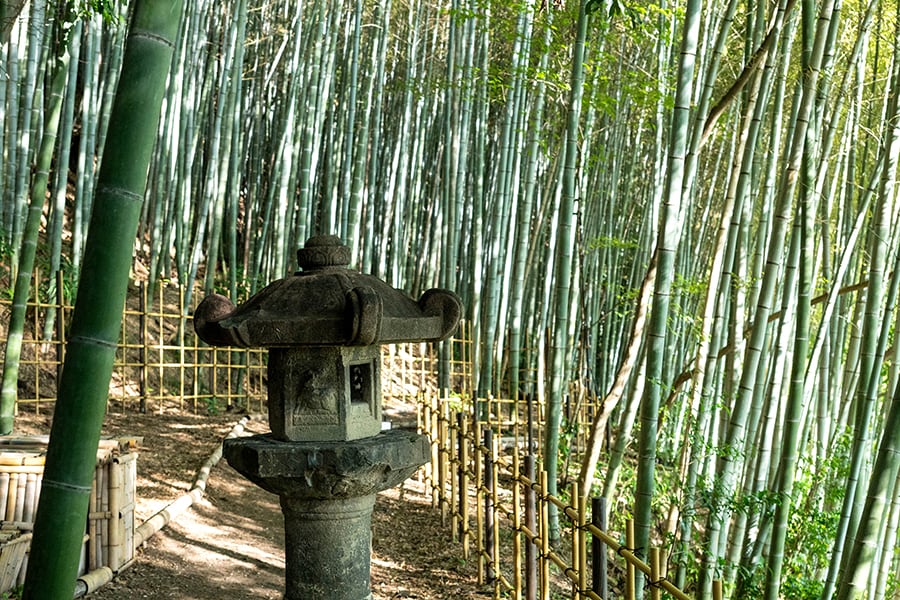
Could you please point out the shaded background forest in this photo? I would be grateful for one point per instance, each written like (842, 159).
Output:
(683, 214)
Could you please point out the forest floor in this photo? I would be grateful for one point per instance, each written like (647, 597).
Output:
(230, 545)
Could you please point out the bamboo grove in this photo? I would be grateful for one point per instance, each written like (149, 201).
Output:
(683, 213)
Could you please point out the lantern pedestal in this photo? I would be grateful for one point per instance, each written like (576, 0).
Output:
(327, 491)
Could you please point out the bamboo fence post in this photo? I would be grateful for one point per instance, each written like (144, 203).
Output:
(718, 593)
(60, 325)
(453, 449)
(488, 442)
(93, 507)
(629, 567)
(655, 590)
(545, 537)
(479, 503)
(36, 337)
(517, 530)
(599, 578)
(464, 484)
(531, 570)
(116, 535)
(30, 497)
(582, 543)
(443, 458)
(576, 550)
(4, 491)
(103, 492)
(142, 352)
(181, 349)
(494, 450)
(11, 500)
(21, 484)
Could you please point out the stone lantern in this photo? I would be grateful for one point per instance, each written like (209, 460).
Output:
(327, 456)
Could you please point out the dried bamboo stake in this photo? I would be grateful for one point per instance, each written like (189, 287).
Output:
(4, 491)
(655, 591)
(718, 593)
(629, 567)
(576, 548)
(60, 325)
(142, 324)
(116, 492)
(464, 484)
(545, 539)
(20, 497)
(494, 450)
(517, 531)
(443, 456)
(479, 505)
(452, 443)
(582, 542)
(103, 542)
(11, 501)
(531, 567)
(30, 497)
(93, 506)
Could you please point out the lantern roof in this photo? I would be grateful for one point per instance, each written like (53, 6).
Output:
(325, 303)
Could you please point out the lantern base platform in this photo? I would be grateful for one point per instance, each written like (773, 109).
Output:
(327, 491)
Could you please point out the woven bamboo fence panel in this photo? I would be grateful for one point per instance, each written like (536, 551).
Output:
(109, 531)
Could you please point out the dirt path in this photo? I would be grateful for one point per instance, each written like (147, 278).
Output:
(230, 545)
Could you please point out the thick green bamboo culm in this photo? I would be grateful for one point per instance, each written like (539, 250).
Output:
(83, 390)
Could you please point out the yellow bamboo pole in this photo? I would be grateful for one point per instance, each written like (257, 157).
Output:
(464, 486)
(582, 542)
(629, 567)
(517, 531)
(11, 498)
(718, 593)
(655, 591)
(116, 500)
(479, 505)
(495, 503)
(545, 538)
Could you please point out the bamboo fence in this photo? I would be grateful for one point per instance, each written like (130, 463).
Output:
(496, 505)
(109, 531)
(160, 363)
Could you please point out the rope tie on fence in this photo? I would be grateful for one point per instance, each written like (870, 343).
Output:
(658, 583)
(622, 549)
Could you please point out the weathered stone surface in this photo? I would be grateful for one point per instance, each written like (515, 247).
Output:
(328, 470)
(328, 547)
(327, 304)
(324, 393)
